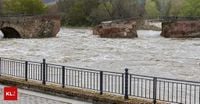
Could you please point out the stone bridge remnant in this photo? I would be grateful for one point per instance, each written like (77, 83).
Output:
(116, 29)
(30, 26)
(181, 29)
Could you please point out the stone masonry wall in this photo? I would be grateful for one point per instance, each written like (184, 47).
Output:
(33, 26)
(181, 29)
(116, 29)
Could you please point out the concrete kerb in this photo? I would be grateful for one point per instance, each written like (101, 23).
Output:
(73, 93)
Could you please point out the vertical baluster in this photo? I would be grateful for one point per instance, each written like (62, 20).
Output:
(130, 85)
(159, 89)
(141, 87)
(181, 92)
(195, 94)
(176, 92)
(185, 93)
(145, 85)
(172, 91)
(164, 91)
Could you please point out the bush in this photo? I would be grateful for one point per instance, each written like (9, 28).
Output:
(23, 7)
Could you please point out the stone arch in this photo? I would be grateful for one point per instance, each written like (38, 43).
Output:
(9, 32)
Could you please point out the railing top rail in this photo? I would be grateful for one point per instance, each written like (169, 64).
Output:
(19, 60)
(169, 79)
(66, 66)
(113, 72)
(141, 75)
(178, 80)
(86, 69)
(54, 65)
(12, 59)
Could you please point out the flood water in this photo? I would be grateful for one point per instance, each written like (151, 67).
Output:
(149, 54)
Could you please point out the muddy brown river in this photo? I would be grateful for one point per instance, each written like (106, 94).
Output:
(149, 54)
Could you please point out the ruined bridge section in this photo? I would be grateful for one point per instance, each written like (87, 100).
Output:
(172, 27)
(181, 29)
(30, 26)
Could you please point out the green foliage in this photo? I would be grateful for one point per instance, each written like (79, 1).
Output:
(176, 6)
(101, 13)
(163, 6)
(91, 12)
(125, 8)
(191, 8)
(80, 11)
(1, 7)
(77, 12)
(151, 9)
(24, 6)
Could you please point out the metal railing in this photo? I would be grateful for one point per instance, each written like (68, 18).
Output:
(126, 84)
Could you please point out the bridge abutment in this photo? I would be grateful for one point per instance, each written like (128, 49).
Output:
(181, 29)
(30, 26)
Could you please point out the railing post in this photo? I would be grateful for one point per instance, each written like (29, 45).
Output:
(63, 76)
(154, 89)
(101, 82)
(44, 71)
(126, 84)
(26, 71)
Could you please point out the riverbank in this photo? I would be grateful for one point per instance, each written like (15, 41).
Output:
(80, 94)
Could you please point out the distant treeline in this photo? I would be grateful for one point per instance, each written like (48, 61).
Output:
(14, 7)
(92, 12)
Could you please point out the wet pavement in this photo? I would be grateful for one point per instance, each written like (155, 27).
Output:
(30, 97)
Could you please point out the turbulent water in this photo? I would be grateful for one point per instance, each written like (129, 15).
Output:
(149, 54)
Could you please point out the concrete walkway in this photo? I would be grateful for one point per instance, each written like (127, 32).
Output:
(30, 97)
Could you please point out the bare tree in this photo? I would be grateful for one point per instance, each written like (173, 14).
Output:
(1, 5)
(164, 7)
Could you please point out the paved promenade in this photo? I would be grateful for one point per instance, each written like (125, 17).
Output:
(29, 97)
